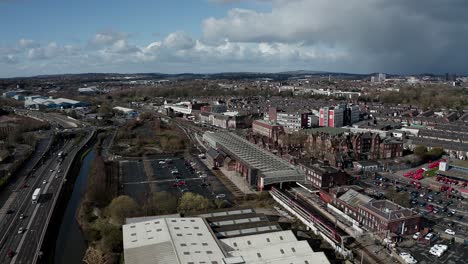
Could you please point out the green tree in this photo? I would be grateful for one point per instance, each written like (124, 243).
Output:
(112, 239)
(420, 151)
(191, 202)
(161, 203)
(122, 207)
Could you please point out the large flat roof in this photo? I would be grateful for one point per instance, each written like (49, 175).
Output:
(271, 167)
(170, 240)
(277, 247)
(189, 241)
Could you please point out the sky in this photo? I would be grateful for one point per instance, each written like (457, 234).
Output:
(208, 36)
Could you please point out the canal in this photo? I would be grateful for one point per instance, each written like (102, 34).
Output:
(70, 245)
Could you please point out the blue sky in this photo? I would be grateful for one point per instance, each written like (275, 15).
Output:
(48, 37)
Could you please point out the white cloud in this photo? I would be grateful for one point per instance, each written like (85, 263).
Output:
(179, 41)
(339, 35)
(27, 43)
(107, 38)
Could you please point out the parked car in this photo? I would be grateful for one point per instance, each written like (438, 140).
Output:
(429, 236)
(450, 232)
(220, 196)
(440, 246)
(162, 162)
(416, 235)
(181, 183)
(436, 252)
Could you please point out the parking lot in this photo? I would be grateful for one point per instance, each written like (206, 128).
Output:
(455, 254)
(174, 175)
(440, 211)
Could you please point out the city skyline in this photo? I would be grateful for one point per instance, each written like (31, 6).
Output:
(211, 36)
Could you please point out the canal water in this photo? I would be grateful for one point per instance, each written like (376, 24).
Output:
(70, 245)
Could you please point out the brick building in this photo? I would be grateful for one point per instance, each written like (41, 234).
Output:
(384, 215)
(323, 176)
(267, 129)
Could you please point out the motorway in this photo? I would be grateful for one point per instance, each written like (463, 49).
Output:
(49, 177)
(35, 214)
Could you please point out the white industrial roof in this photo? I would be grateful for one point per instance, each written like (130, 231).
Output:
(276, 247)
(189, 241)
(170, 240)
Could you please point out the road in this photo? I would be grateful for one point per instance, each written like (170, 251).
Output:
(55, 119)
(49, 177)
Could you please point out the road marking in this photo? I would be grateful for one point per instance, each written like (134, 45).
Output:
(162, 181)
(24, 234)
(7, 204)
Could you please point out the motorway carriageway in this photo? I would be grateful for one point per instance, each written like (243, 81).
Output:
(25, 245)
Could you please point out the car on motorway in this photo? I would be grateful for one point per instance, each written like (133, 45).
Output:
(25, 185)
(22, 216)
(175, 171)
(20, 230)
(51, 170)
(203, 176)
(450, 232)
(10, 253)
(44, 181)
(416, 235)
(204, 184)
(429, 236)
(10, 211)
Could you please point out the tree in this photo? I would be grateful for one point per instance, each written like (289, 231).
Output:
(112, 239)
(420, 151)
(191, 202)
(161, 203)
(97, 192)
(400, 198)
(122, 207)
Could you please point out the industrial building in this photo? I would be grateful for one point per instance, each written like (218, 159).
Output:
(172, 239)
(256, 165)
(43, 102)
(128, 112)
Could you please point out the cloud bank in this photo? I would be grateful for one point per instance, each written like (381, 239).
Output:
(396, 36)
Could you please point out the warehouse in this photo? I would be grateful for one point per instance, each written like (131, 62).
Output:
(175, 240)
(44, 102)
